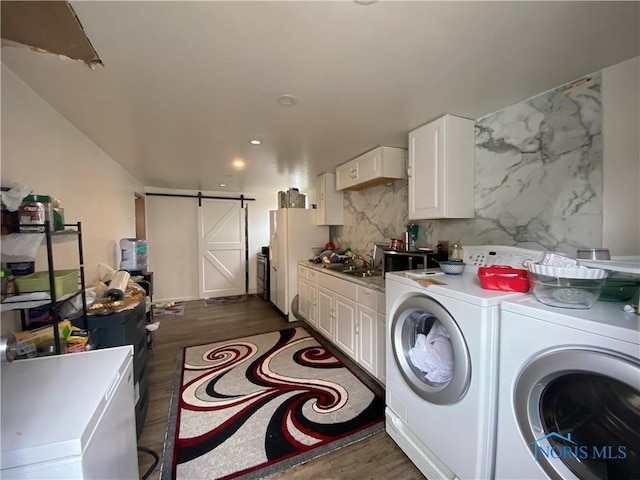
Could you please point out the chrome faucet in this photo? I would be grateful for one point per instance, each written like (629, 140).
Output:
(357, 256)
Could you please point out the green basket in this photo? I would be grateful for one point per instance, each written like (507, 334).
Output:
(66, 281)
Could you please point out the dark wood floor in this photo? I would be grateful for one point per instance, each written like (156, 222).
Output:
(374, 457)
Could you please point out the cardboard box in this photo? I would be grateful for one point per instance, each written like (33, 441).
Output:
(292, 198)
(27, 342)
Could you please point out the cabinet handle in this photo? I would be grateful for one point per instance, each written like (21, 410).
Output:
(357, 328)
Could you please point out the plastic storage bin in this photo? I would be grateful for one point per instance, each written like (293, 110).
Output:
(66, 281)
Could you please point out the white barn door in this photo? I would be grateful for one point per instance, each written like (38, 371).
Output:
(221, 248)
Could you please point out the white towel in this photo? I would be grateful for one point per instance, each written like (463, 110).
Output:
(433, 355)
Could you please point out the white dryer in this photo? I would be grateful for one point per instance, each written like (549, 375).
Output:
(442, 358)
(569, 401)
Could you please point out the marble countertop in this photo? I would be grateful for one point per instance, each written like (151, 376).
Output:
(375, 283)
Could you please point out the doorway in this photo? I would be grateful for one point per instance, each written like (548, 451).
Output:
(141, 220)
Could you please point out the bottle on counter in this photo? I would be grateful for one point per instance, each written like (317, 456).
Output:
(456, 253)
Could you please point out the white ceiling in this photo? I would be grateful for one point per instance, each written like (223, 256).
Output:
(186, 85)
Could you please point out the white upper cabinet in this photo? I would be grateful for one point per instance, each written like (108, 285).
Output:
(377, 166)
(442, 169)
(330, 208)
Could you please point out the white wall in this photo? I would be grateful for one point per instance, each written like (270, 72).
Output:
(42, 150)
(621, 152)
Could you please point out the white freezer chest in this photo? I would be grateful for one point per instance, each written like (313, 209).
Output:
(69, 416)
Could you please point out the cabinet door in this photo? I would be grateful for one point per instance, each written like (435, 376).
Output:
(345, 325)
(325, 312)
(347, 175)
(382, 348)
(303, 301)
(312, 302)
(368, 165)
(442, 169)
(425, 172)
(321, 199)
(330, 208)
(367, 330)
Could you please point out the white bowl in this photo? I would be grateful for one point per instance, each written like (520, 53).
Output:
(452, 268)
(567, 272)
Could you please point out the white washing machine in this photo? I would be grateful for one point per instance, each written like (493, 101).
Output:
(441, 365)
(569, 401)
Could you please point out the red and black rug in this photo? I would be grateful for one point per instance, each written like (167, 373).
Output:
(252, 406)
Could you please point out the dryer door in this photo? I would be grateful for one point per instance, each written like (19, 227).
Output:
(430, 350)
(579, 410)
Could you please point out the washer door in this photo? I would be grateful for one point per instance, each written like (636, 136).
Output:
(430, 350)
(579, 410)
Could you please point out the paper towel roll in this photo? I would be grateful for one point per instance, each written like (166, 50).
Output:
(8, 348)
(118, 285)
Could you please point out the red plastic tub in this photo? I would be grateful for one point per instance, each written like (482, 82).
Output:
(502, 277)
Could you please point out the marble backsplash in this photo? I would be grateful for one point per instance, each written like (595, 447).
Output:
(538, 182)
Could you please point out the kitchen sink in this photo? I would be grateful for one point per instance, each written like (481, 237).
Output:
(353, 270)
(363, 272)
(341, 267)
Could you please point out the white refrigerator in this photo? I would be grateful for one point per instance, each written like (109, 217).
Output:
(69, 416)
(293, 233)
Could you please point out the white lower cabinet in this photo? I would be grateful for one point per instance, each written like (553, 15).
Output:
(303, 297)
(351, 316)
(325, 312)
(308, 295)
(312, 303)
(345, 325)
(367, 335)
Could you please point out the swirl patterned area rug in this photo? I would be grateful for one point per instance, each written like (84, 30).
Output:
(256, 405)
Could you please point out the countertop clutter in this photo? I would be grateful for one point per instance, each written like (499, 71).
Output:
(359, 275)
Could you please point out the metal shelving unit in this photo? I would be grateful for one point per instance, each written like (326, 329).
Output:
(71, 229)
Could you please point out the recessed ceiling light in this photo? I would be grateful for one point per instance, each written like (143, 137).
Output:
(223, 184)
(287, 100)
(238, 163)
(255, 142)
(365, 2)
